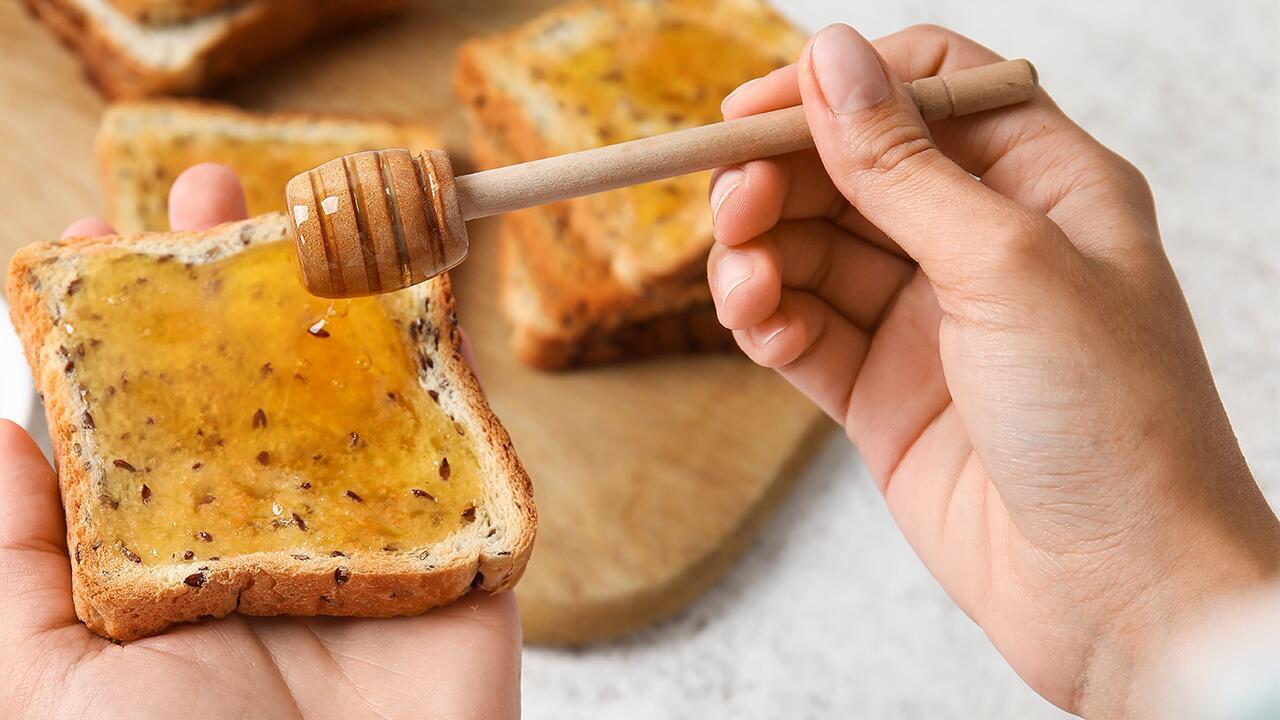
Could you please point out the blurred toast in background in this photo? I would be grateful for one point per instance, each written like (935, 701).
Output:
(592, 74)
(144, 145)
(620, 274)
(568, 309)
(163, 12)
(129, 59)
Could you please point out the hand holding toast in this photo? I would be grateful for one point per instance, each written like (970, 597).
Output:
(1012, 356)
(461, 660)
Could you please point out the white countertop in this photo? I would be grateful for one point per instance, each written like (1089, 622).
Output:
(830, 614)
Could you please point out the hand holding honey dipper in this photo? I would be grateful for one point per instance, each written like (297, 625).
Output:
(1012, 355)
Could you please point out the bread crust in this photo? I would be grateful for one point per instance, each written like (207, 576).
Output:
(134, 203)
(249, 36)
(124, 601)
(566, 307)
(562, 321)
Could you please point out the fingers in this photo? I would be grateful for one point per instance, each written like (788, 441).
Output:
(778, 89)
(87, 227)
(467, 350)
(35, 574)
(750, 197)
(205, 195)
(858, 279)
(879, 154)
(811, 345)
(457, 661)
(1031, 152)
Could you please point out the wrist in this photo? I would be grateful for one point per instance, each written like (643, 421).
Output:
(1128, 668)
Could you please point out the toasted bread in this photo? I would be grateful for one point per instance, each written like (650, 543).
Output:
(127, 59)
(590, 74)
(143, 145)
(215, 455)
(559, 323)
(568, 309)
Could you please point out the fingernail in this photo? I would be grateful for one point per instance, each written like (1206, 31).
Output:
(725, 184)
(736, 90)
(848, 71)
(732, 270)
(765, 332)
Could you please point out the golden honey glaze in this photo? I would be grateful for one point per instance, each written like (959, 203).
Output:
(656, 75)
(236, 413)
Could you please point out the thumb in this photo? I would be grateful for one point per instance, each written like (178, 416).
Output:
(35, 574)
(881, 157)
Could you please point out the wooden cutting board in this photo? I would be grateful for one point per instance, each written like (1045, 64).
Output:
(650, 478)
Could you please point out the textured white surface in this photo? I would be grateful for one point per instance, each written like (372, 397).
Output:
(830, 614)
(15, 378)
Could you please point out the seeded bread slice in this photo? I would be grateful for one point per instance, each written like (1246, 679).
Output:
(120, 598)
(127, 59)
(560, 323)
(144, 145)
(568, 309)
(162, 12)
(595, 73)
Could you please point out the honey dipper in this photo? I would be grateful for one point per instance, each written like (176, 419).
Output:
(378, 221)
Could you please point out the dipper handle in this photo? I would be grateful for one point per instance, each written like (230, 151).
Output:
(538, 182)
(379, 221)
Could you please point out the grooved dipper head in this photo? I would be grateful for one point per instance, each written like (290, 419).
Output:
(374, 222)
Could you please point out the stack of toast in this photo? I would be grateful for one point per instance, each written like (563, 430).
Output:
(144, 145)
(621, 274)
(138, 48)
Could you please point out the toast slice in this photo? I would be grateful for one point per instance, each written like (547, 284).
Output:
(163, 12)
(226, 442)
(128, 59)
(558, 322)
(144, 145)
(590, 74)
(567, 308)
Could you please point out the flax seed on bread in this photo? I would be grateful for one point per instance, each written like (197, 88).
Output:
(123, 591)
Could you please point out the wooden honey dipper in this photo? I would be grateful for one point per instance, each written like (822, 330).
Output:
(379, 221)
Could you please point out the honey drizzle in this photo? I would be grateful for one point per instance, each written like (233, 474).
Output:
(248, 432)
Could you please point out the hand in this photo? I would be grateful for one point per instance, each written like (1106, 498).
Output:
(1013, 357)
(460, 661)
